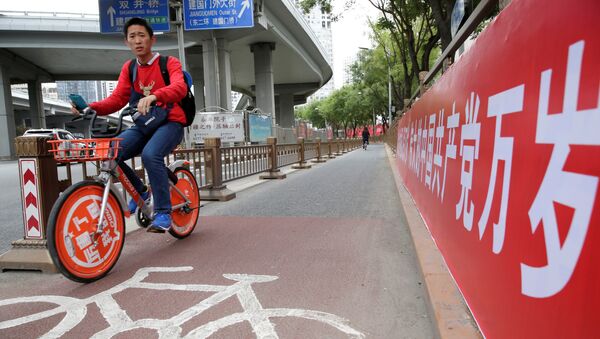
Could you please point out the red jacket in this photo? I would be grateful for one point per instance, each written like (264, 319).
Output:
(148, 76)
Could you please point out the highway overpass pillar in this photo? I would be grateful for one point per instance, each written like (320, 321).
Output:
(7, 117)
(286, 110)
(197, 74)
(217, 73)
(224, 73)
(263, 76)
(36, 104)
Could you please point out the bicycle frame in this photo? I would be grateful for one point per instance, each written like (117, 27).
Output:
(109, 170)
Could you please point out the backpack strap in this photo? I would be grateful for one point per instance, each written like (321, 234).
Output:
(162, 62)
(132, 71)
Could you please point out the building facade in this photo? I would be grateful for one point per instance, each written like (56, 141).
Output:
(90, 90)
(320, 23)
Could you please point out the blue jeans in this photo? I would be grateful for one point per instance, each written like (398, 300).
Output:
(154, 149)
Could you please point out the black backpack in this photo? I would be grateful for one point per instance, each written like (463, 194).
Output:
(188, 104)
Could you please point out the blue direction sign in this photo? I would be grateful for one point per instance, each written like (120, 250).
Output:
(115, 13)
(217, 14)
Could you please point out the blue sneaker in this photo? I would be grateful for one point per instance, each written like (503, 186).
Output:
(161, 223)
(133, 205)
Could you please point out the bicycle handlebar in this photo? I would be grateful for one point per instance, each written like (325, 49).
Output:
(102, 128)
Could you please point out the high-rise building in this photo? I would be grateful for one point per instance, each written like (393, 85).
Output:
(89, 90)
(348, 62)
(320, 23)
(107, 88)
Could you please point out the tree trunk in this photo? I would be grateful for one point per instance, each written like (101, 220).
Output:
(442, 14)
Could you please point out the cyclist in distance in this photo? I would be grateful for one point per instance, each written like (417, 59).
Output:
(146, 90)
(365, 137)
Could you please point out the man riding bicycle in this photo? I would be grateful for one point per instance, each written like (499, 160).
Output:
(146, 90)
(365, 137)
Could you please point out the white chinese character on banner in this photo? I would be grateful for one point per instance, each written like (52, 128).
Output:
(413, 146)
(418, 145)
(201, 4)
(437, 158)
(423, 149)
(83, 240)
(123, 4)
(577, 191)
(509, 101)
(91, 254)
(470, 131)
(214, 3)
(452, 124)
(429, 156)
(138, 3)
(153, 3)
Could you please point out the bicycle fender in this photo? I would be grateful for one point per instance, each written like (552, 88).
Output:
(179, 163)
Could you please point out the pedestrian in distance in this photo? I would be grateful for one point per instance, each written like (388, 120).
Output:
(365, 137)
(141, 85)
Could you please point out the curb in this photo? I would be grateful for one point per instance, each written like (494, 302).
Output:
(447, 307)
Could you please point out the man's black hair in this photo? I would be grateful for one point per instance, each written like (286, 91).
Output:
(140, 22)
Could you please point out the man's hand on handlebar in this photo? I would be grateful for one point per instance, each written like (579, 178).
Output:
(84, 113)
(144, 104)
(74, 111)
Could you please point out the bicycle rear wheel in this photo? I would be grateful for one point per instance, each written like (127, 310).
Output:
(184, 218)
(71, 226)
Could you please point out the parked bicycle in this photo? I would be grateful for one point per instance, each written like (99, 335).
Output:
(86, 227)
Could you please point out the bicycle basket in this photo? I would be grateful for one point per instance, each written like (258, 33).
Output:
(85, 149)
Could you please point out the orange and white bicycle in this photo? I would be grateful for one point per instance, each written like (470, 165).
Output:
(86, 227)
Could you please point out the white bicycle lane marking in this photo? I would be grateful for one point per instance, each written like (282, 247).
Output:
(118, 320)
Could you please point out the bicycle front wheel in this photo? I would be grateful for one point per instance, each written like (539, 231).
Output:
(186, 217)
(77, 252)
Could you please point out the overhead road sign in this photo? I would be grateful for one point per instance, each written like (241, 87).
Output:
(218, 14)
(115, 13)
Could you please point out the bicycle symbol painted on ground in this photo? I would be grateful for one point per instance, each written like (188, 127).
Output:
(258, 317)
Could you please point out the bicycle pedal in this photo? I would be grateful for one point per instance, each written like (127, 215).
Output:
(154, 230)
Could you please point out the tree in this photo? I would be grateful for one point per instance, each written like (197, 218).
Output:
(406, 36)
(312, 113)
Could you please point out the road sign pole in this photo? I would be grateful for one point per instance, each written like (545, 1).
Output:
(181, 48)
(180, 42)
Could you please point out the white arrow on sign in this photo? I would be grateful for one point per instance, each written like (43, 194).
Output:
(245, 5)
(111, 11)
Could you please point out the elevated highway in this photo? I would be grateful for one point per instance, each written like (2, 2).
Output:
(277, 63)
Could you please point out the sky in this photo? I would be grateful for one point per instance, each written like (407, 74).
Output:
(349, 33)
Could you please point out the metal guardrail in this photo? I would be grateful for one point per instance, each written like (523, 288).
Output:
(242, 161)
(233, 163)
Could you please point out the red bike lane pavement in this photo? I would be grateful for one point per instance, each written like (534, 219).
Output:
(354, 269)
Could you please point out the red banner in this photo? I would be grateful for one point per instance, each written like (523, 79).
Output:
(502, 157)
